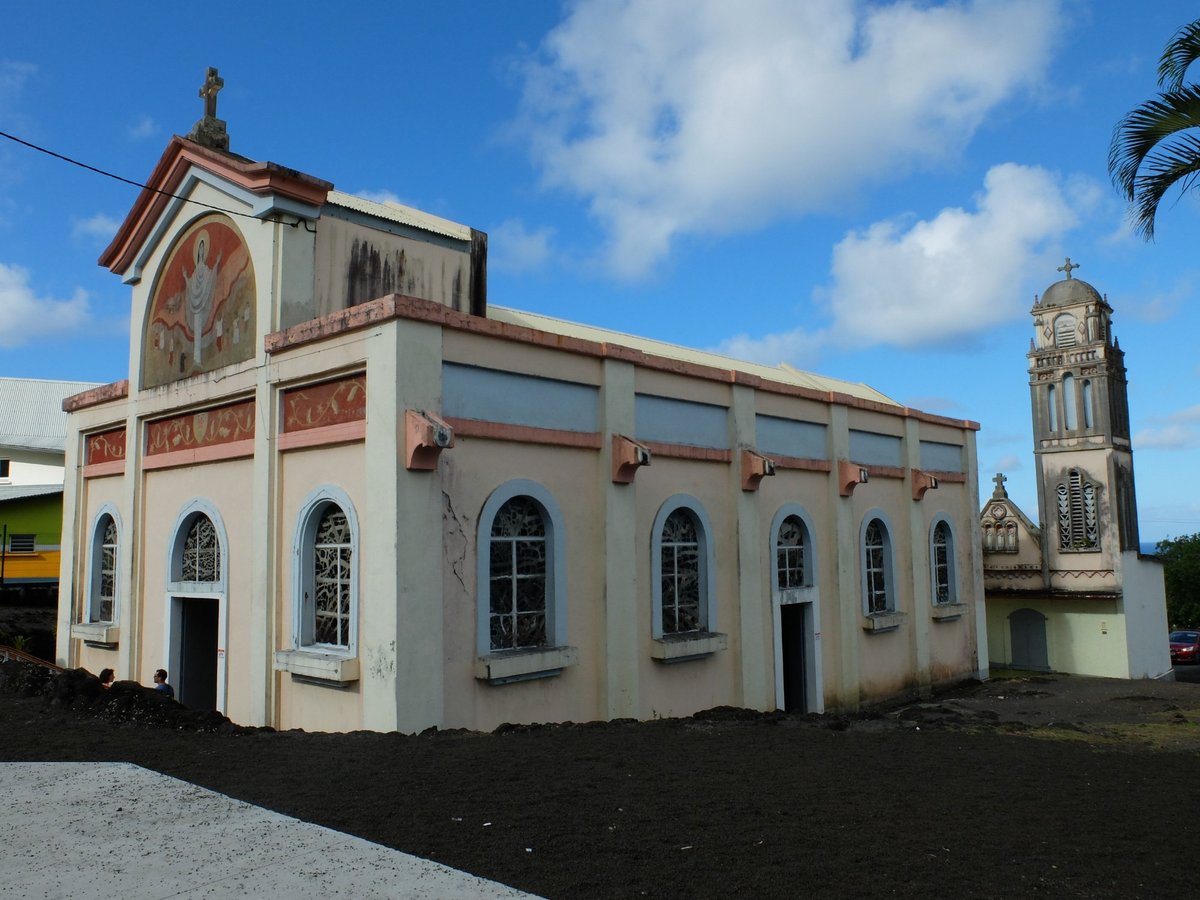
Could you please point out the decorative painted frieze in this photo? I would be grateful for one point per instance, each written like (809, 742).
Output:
(191, 431)
(105, 447)
(328, 403)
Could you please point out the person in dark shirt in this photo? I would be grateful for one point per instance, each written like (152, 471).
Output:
(160, 683)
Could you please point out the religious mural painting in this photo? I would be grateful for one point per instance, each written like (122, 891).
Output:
(202, 311)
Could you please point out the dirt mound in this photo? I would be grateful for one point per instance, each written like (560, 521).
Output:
(125, 703)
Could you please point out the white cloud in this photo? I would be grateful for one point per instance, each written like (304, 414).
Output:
(1178, 431)
(25, 317)
(143, 128)
(1009, 463)
(98, 226)
(674, 117)
(799, 348)
(926, 282)
(513, 247)
(13, 76)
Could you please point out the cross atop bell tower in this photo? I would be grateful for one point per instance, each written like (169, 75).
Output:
(210, 131)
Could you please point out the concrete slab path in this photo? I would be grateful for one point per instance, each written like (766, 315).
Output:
(99, 830)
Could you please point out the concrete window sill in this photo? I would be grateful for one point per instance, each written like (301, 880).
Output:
(947, 612)
(675, 648)
(524, 665)
(877, 623)
(326, 667)
(97, 634)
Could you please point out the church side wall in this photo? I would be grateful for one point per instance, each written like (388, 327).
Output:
(1144, 600)
(1083, 636)
(94, 495)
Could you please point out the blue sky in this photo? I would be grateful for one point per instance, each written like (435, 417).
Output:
(874, 191)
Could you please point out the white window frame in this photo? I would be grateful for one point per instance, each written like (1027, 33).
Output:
(503, 666)
(706, 559)
(784, 513)
(809, 594)
(91, 610)
(951, 564)
(889, 579)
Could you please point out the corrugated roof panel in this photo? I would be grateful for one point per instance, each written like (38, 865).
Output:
(405, 215)
(782, 373)
(23, 491)
(31, 413)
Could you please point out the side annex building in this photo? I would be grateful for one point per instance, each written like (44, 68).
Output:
(339, 490)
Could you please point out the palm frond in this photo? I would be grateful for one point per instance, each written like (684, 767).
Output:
(1173, 163)
(1144, 128)
(1180, 53)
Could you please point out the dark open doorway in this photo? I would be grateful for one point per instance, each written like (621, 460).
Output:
(792, 626)
(196, 681)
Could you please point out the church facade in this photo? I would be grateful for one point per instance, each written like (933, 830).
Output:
(1073, 593)
(339, 490)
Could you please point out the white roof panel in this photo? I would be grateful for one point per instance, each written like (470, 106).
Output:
(31, 413)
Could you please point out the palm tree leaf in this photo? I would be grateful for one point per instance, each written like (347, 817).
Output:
(1142, 129)
(1180, 53)
(1174, 163)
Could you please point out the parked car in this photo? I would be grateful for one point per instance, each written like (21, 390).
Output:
(1185, 647)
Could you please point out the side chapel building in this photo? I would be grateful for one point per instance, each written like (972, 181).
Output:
(339, 490)
(1074, 594)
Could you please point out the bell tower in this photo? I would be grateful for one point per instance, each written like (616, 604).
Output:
(1081, 441)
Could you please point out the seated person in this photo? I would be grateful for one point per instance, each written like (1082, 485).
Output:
(160, 683)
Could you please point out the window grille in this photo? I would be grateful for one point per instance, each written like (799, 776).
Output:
(680, 549)
(1064, 331)
(941, 563)
(332, 555)
(1078, 528)
(201, 552)
(108, 571)
(517, 592)
(876, 576)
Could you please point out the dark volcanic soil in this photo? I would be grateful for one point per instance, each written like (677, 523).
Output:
(1025, 786)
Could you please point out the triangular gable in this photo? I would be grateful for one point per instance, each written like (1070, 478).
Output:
(267, 188)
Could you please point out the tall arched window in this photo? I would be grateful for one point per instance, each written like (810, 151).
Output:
(1051, 408)
(517, 613)
(1070, 418)
(878, 591)
(326, 573)
(941, 562)
(521, 575)
(683, 569)
(1088, 407)
(102, 587)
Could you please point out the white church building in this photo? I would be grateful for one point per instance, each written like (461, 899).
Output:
(340, 490)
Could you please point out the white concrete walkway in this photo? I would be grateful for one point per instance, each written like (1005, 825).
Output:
(99, 830)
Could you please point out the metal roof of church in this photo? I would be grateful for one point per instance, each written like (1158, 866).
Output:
(24, 491)
(405, 215)
(782, 373)
(31, 413)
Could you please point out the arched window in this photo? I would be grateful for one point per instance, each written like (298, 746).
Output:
(941, 562)
(102, 586)
(682, 558)
(1065, 334)
(326, 574)
(1070, 417)
(1088, 414)
(1051, 408)
(201, 553)
(878, 590)
(1078, 528)
(793, 563)
(521, 571)
(517, 613)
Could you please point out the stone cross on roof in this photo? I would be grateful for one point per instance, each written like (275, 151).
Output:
(210, 131)
(1066, 267)
(999, 480)
(212, 84)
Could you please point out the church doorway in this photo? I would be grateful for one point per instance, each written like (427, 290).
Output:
(792, 638)
(798, 685)
(196, 678)
(1027, 628)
